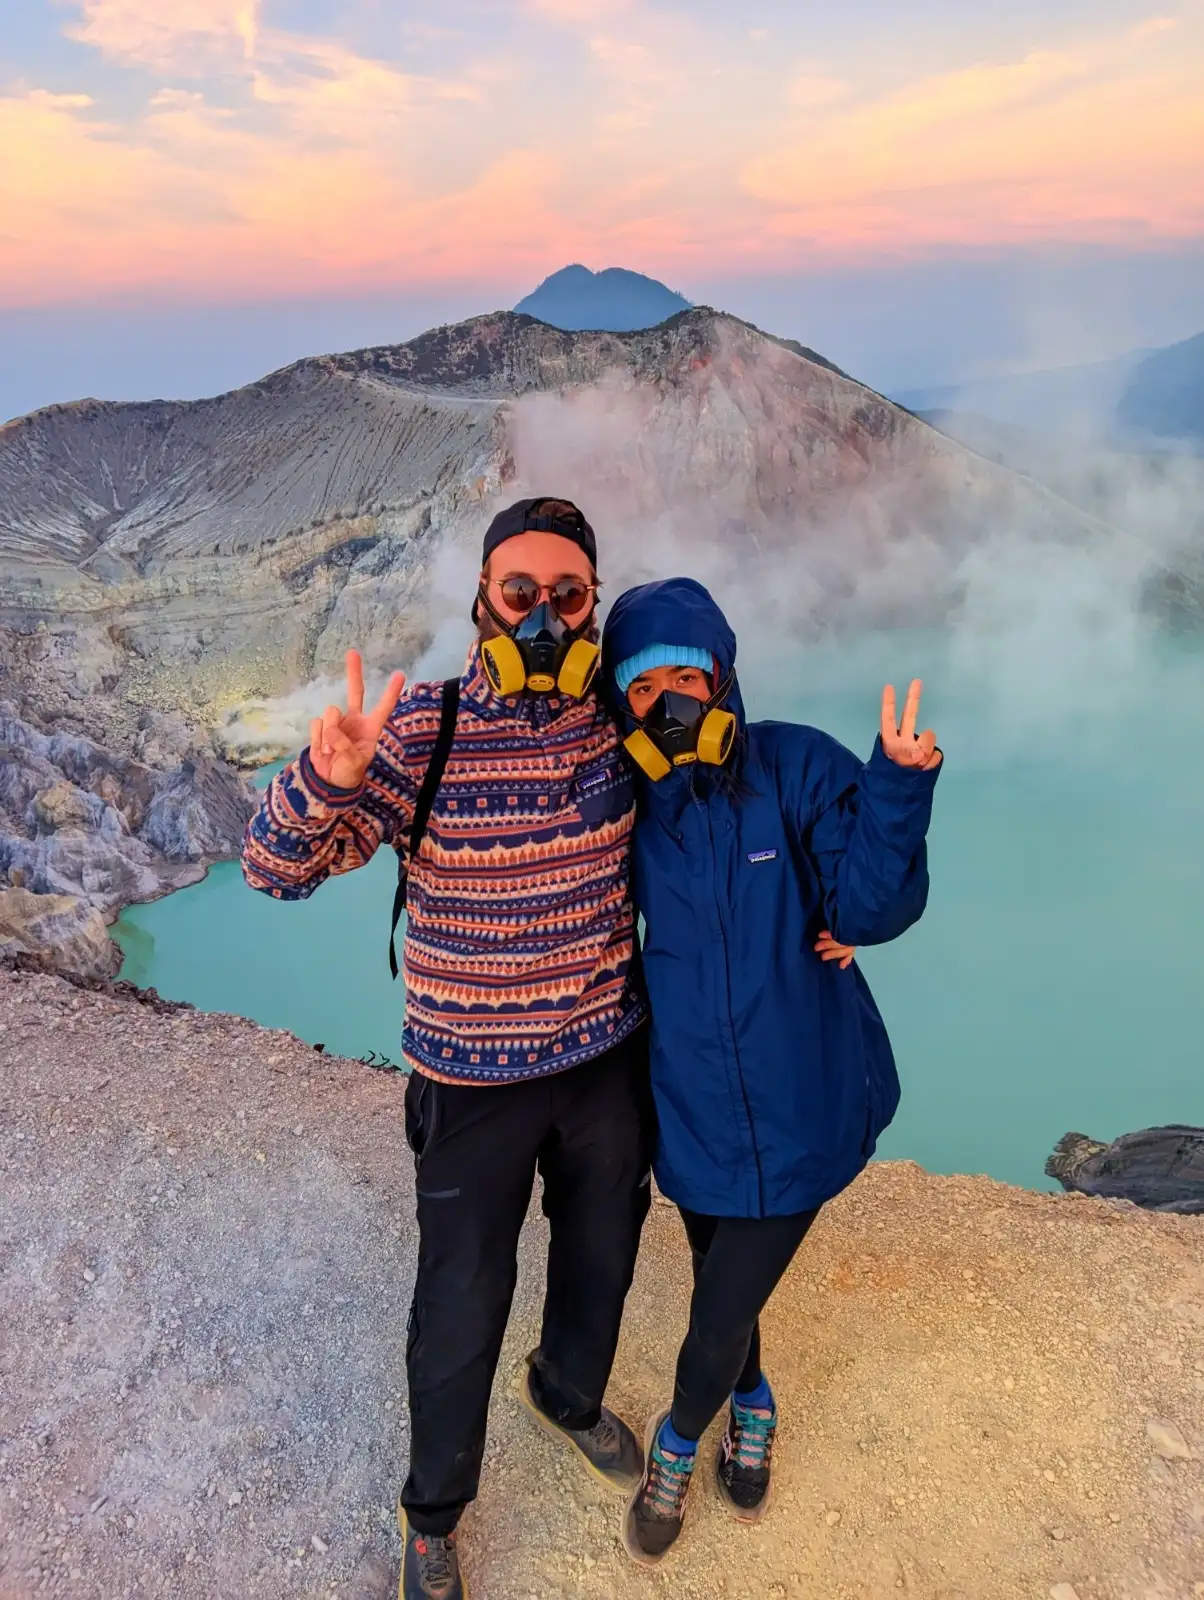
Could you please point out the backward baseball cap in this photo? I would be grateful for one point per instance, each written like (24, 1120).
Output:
(528, 516)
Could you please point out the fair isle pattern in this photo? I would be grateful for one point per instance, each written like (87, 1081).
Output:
(519, 938)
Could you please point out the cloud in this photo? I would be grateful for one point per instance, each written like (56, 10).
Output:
(180, 35)
(1144, 30)
(1095, 142)
(258, 157)
(575, 13)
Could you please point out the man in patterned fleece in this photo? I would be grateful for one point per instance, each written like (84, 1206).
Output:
(526, 1021)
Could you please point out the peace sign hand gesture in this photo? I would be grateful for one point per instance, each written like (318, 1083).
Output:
(342, 743)
(900, 741)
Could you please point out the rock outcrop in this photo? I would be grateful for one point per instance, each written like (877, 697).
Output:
(1161, 1169)
(206, 1253)
(89, 831)
(61, 930)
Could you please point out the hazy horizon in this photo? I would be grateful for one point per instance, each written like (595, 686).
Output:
(193, 195)
(894, 326)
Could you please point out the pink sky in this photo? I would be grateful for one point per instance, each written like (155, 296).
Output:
(233, 147)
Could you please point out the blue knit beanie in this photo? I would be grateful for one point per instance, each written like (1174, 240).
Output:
(661, 655)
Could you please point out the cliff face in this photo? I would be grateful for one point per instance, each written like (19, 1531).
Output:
(85, 831)
(206, 1253)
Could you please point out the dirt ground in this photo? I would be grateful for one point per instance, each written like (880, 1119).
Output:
(206, 1248)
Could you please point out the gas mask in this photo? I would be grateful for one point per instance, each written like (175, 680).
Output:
(540, 653)
(679, 730)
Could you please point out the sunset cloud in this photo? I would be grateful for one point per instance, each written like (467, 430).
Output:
(180, 35)
(199, 146)
(1091, 144)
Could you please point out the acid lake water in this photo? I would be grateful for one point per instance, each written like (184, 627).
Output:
(1054, 983)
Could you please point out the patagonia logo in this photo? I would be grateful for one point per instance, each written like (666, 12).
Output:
(592, 783)
(762, 855)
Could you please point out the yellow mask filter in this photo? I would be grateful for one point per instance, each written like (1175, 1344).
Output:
(579, 668)
(503, 665)
(716, 737)
(507, 671)
(646, 756)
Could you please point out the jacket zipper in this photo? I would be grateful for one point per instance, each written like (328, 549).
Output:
(731, 1022)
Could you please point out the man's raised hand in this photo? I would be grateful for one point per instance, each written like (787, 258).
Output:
(342, 743)
(901, 742)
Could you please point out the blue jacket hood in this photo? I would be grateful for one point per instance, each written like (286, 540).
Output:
(670, 611)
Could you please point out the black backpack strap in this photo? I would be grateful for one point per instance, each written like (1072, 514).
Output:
(422, 806)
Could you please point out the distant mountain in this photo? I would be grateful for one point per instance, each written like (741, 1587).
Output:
(1142, 398)
(1080, 400)
(1165, 395)
(612, 301)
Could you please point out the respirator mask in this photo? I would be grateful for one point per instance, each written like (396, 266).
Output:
(544, 651)
(679, 730)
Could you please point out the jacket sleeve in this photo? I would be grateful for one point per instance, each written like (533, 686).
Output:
(306, 830)
(864, 827)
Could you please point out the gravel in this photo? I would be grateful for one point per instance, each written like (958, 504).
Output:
(986, 1394)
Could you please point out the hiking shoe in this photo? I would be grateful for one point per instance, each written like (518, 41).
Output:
(657, 1509)
(609, 1449)
(430, 1569)
(745, 1456)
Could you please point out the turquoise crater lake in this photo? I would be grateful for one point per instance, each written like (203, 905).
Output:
(1054, 982)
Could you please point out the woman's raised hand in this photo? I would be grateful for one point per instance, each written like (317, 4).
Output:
(901, 742)
(342, 743)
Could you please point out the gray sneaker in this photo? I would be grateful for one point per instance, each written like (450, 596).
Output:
(609, 1449)
(430, 1568)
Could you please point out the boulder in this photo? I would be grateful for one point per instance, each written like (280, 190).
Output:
(66, 932)
(64, 805)
(1160, 1169)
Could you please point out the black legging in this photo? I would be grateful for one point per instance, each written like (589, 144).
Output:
(738, 1262)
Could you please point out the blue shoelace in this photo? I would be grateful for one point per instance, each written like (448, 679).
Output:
(753, 1436)
(668, 1480)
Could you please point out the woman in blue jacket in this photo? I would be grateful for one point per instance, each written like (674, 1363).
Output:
(771, 1068)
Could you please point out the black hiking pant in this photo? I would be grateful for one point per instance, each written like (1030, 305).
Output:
(738, 1262)
(589, 1133)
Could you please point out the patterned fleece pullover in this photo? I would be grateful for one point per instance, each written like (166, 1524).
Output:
(519, 955)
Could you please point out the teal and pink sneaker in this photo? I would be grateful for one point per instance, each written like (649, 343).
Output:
(657, 1509)
(745, 1456)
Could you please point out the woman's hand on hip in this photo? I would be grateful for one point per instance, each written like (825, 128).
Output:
(827, 949)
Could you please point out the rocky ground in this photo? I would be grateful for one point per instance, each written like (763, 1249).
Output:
(206, 1250)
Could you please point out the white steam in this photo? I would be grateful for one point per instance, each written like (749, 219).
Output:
(848, 550)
